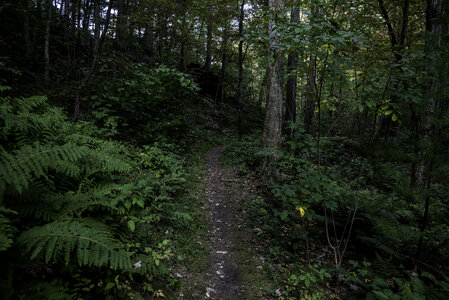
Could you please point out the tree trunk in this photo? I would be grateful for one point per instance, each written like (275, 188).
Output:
(183, 38)
(119, 34)
(433, 47)
(273, 115)
(291, 70)
(49, 5)
(223, 63)
(310, 97)
(240, 79)
(208, 61)
(148, 42)
(86, 18)
(387, 126)
(78, 22)
(66, 8)
(85, 80)
(97, 18)
(26, 31)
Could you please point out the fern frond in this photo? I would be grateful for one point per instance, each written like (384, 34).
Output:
(33, 161)
(87, 241)
(97, 161)
(6, 229)
(71, 203)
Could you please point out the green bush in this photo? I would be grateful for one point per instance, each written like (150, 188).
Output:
(78, 213)
(143, 104)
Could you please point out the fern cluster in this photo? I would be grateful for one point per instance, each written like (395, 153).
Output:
(70, 199)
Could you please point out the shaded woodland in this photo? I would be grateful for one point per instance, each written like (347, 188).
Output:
(336, 110)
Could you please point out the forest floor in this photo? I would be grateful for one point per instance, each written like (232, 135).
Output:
(230, 258)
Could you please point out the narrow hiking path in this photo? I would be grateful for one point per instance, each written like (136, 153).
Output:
(235, 266)
(225, 278)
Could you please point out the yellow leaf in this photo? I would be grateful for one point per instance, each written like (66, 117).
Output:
(301, 210)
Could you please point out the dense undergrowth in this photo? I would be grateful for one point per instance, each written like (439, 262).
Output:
(85, 214)
(365, 195)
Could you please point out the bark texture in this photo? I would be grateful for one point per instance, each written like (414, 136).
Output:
(291, 69)
(240, 80)
(209, 41)
(47, 43)
(273, 115)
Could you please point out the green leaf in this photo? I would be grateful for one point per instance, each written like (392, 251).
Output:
(131, 225)
(109, 286)
(307, 282)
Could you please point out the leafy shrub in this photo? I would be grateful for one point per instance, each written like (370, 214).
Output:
(77, 209)
(143, 104)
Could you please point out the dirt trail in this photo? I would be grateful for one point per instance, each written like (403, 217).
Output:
(225, 274)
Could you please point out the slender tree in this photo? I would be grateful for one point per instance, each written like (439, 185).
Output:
(224, 60)
(397, 41)
(90, 73)
(183, 38)
(240, 79)
(292, 73)
(273, 114)
(209, 37)
(311, 94)
(436, 20)
(48, 9)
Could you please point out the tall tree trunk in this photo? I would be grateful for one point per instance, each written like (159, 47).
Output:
(26, 30)
(240, 79)
(159, 32)
(183, 38)
(149, 40)
(387, 126)
(435, 18)
(85, 80)
(162, 33)
(78, 20)
(67, 8)
(310, 96)
(97, 18)
(223, 63)
(119, 23)
(73, 13)
(208, 61)
(273, 116)
(86, 18)
(291, 70)
(49, 5)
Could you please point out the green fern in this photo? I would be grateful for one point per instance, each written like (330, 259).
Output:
(33, 161)
(62, 179)
(71, 204)
(50, 206)
(6, 229)
(90, 242)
